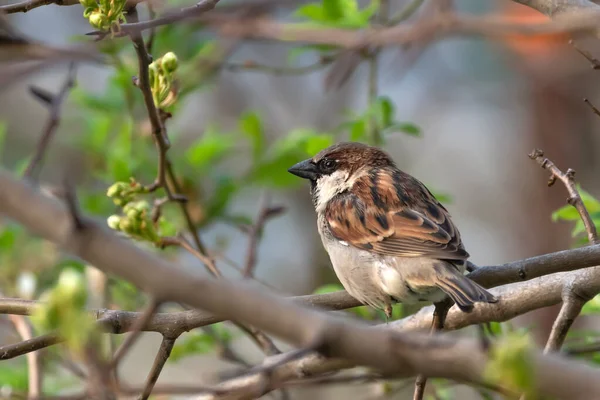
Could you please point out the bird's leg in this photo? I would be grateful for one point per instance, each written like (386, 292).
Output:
(437, 324)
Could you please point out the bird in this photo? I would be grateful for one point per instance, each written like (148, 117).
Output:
(388, 238)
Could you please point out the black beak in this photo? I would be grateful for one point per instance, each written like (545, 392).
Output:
(305, 169)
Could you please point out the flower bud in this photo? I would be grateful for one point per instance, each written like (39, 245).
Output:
(98, 20)
(113, 222)
(169, 62)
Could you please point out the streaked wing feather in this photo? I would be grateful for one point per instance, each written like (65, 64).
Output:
(387, 221)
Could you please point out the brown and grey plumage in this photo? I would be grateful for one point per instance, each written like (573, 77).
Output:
(387, 236)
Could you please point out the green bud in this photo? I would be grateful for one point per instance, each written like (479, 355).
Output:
(132, 213)
(98, 20)
(113, 222)
(152, 73)
(126, 225)
(117, 189)
(142, 206)
(169, 62)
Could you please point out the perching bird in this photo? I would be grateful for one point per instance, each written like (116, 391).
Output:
(389, 239)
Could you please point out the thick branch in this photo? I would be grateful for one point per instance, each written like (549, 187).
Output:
(401, 354)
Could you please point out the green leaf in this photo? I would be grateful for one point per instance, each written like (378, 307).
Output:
(495, 328)
(565, 213)
(273, 173)
(251, 126)
(208, 149)
(225, 188)
(510, 364)
(332, 9)
(8, 237)
(21, 166)
(385, 112)
(358, 130)
(314, 144)
(286, 152)
(405, 127)
(313, 12)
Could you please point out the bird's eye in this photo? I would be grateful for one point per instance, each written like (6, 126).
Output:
(327, 165)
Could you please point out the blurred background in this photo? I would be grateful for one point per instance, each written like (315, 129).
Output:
(470, 110)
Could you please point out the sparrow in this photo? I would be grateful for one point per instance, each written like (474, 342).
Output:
(388, 238)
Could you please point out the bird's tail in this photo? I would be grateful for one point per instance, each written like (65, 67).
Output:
(462, 290)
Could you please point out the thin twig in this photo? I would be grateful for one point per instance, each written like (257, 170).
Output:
(255, 232)
(159, 362)
(27, 346)
(437, 325)
(568, 179)
(136, 330)
(593, 107)
(262, 340)
(158, 128)
(34, 364)
(54, 104)
(170, 17)
(29, 5)
(182, 242)
(588, 56)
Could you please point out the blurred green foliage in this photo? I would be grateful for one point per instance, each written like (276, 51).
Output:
(510, 364)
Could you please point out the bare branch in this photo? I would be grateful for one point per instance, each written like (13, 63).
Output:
(570, 309)
(136, 330)
(54, 104)
(29, 5)
(255, 231)
(27, 346)
(568, 179)
(401, 354)
(159, 362)
(158, 129)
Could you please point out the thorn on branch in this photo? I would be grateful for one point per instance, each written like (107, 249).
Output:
(594, 109)
(44, 96)
(54, 104)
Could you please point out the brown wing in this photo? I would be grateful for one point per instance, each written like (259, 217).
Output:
(396, 217)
